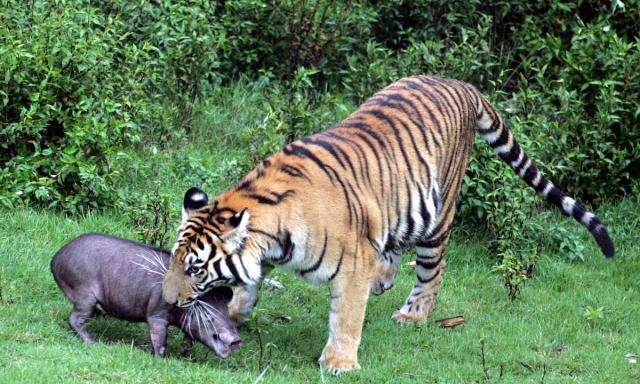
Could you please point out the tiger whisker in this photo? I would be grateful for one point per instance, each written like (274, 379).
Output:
(154, 262)
(198, 318)
(201, 316)
(184, 320)
(209, 307)
(160, 262)
(151, 263)
(190, 313)
(208, 316)
(147, 268)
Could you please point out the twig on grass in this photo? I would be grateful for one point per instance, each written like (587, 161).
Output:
(260, 360)
(451, 322)
(483, 361)
(526, 365)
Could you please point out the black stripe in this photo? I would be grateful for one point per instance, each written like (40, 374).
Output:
(435, 242)
(429, 264)
(216, 267)
(578, 212)
(428, 280)
(315, 266)
(337, 152)
(361, 155)
(426, 216)
(333, 275)
(512, 155)
(437, 200)
(326, 146)
(287, 249)
(502, 139)
(384, 117)
(279, 197)
(422, 126)
(435, 122)
(244, 269)
(448, 87)
(555, 196)
(212, 253)
(530, 175)
(262, 199)
(522, 164)
(245, 185)
(374, 152)
(283, 195)
(542, 184)
(367, 129)
(233, 270)
(364, 131)
(445, 108)
(410, 222)
(396, 105)
(299, 151)
(293, 171)
(295, 150)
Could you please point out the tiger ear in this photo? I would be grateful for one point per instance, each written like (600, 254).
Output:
(194, 198)
(239, 228)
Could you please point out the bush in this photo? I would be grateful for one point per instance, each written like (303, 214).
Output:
(125, 71)
(66, 105)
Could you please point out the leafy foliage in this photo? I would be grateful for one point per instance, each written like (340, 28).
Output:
(66, 104)
(82, 81)
(152, 217)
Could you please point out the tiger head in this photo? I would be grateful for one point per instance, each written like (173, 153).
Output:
(208, 252)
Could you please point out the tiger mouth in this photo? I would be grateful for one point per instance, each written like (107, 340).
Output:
(186, 303)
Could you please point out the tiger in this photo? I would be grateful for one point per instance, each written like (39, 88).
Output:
(340, 207)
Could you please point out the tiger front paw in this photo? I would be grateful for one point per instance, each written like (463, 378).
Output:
(242, 304)
(336, 363)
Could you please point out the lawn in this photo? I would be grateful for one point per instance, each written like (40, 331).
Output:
(546, 334)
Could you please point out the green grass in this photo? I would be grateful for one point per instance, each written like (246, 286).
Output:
(37, 345)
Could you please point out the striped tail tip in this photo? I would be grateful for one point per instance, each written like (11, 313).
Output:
(604, 241)
(506, 147)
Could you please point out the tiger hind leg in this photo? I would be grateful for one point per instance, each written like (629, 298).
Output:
(384, 273)
(430, 264)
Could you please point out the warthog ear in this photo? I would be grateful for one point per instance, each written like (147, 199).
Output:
(194, 198)
(238, 229)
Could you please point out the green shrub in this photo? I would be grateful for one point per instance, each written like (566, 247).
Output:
(151, 216)
(180, 44)
(66, 104)
(80, 80)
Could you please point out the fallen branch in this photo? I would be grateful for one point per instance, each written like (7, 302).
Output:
(450, 322)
